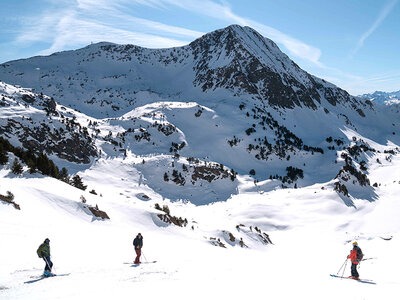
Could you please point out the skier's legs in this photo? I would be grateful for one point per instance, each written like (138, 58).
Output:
(46, 267)
(49, 264)
(354, 270)
(138, 253)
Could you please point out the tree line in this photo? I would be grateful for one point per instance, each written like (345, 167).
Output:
(36, 162)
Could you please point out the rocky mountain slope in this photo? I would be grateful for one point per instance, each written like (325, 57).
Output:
(193, 123)
(37, 123)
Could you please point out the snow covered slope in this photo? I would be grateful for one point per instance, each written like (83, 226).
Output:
(311, 230)
(183, 149)
(245, 174)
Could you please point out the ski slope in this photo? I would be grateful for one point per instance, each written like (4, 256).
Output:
(311, 230)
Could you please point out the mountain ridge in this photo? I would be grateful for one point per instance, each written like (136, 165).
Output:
(380, 97)
(225, 63)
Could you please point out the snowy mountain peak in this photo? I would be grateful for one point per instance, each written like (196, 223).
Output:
(236, 36)
(107, 79)
(385, 98)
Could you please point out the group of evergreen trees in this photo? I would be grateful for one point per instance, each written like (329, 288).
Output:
(39, 162)
(285, 140)
(36, 163)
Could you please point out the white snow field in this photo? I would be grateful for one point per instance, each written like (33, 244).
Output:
(311, 230)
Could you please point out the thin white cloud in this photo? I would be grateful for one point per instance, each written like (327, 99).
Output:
(156, 26)
(113, 11)
(385, 11)
(386, 81)
(84, 21)
(222, 11)
(117, 4)
(72, 32)
(395, 75)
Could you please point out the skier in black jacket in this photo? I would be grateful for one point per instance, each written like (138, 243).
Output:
(138, 244)
(44, 252)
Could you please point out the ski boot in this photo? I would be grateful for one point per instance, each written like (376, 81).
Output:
(48, 274)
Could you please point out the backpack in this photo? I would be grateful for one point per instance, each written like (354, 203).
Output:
(360, 255)
(39, 251)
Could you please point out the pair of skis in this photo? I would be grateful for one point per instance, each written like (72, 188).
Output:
(146, 262)
(41, 277)
(358, 280)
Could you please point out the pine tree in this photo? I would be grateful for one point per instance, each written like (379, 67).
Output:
(63, 175)
(3, 156)
(166, 178)
(16, 167)
(77, 182)
(54, 172)
(32, 166)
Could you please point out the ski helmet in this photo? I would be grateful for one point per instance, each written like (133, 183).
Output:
(47, 241)
(355, 243)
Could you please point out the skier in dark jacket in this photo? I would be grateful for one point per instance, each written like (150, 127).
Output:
(355, 256)
(138, 244)
(44, 252)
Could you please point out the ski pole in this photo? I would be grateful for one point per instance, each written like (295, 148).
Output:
(47, 263)
(54, 268)
(341, 267)
(368, 258)
(144, 256)
(344, 268)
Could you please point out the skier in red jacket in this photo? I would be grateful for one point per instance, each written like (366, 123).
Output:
(355, 256)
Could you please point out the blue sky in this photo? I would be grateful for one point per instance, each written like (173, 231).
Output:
(352, 43)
